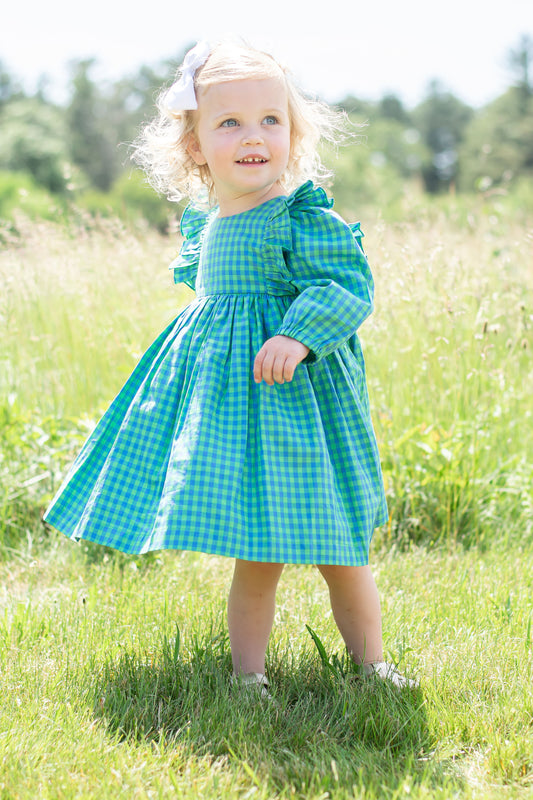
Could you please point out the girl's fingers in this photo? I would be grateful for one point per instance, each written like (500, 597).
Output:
(271, 372)
(274, 369)
(263, 365)
(258, 366)
(278, 367)
(265, 368)
(288, 369)
(277, 360)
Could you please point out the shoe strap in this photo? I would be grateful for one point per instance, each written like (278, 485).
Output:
(251, 679)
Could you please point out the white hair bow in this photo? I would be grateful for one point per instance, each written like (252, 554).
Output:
(181, 95)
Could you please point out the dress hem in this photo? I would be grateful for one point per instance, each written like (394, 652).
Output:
(361, 562)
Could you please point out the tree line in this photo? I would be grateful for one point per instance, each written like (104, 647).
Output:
(75, 150)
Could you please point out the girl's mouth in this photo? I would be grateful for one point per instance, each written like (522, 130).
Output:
(252, 160)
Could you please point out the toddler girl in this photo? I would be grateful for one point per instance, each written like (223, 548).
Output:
(245, 429)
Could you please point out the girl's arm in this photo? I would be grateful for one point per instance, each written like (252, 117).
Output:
(334, 283)
(335, 295)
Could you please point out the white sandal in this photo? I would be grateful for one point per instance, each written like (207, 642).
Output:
(252, 680)
(388, 672)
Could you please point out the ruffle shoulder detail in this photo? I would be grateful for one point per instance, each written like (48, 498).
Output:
(307, 198)
(357, 233)
(278, 232)
(317, 231)
(193, 224)
(319, 236)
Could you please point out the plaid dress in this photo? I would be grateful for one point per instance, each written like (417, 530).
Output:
(193, 454)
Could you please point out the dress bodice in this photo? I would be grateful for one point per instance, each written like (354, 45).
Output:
(244, 253)
(239, 257)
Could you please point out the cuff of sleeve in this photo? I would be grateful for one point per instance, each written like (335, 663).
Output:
(314, 353)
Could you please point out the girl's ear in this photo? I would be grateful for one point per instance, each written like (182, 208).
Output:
(194, 150)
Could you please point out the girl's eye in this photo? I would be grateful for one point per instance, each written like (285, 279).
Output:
(270, 120)
(229, 123)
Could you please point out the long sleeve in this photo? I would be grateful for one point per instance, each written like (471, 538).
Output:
(331, 275)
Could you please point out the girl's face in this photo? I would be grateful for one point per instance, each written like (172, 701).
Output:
(242, 134)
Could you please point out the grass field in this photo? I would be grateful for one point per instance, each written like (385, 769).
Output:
(114, 670)
(100, 701)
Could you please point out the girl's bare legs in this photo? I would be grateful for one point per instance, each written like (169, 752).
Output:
(251, 606)
(356, 609)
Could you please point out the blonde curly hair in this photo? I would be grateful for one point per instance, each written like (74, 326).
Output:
(161, 147)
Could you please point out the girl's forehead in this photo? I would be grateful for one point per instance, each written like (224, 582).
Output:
(245, 92)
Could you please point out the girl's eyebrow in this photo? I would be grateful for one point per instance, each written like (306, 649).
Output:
(263, 113)
(225, 114)
(279, 112)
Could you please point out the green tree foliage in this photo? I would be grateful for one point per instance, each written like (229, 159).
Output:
(391, 107)
(91, 147)
(8, 86)
(520, 62)
(397, 145)
(20, 193)
(131, 199)
(498, 146)
(441, 120)
(102, 119)
(389, 151)
(359, 184)
(33, 141)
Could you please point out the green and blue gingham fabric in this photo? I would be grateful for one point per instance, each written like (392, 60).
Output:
(193, 454)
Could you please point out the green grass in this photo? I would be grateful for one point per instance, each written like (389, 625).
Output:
(99, 699)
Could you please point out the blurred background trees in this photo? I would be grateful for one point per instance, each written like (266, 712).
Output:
(54, 158)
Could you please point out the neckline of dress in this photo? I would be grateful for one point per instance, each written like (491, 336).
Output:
(278, 197)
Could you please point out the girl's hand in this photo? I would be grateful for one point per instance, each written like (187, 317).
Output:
(277, 359)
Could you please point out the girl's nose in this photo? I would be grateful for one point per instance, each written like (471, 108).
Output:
(252, 136)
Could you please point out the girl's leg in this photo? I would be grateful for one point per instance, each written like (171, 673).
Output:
(356, 609)
(251, 606)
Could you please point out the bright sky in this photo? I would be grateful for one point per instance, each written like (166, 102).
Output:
(334, 48)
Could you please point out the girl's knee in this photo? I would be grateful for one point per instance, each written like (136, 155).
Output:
(257, 571)
(339, 573)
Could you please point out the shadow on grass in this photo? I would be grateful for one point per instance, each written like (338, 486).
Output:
(325, 730)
